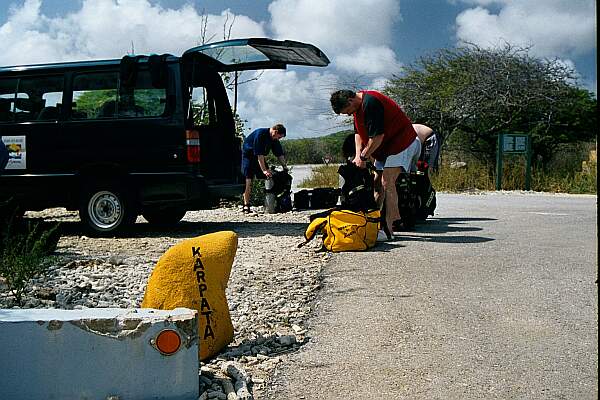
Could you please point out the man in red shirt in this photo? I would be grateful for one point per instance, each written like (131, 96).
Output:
(382, 133)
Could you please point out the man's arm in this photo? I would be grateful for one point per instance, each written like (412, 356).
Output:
(282, 162)
(363, 155)
(263, 166)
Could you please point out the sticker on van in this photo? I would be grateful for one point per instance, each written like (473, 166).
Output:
(17, 151)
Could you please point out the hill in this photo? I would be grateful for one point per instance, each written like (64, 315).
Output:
(314, 150)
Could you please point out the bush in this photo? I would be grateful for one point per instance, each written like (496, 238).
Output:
(25, 247)
(565, 174)
(257, 193)
(322, 176)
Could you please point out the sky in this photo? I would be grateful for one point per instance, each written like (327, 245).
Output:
(367, 41)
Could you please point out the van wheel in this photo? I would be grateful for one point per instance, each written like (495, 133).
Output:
(106, 210)
(164, 216)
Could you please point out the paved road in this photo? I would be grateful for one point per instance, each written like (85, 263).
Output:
(494, 298)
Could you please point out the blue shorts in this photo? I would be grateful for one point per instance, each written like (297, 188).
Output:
(251, 167)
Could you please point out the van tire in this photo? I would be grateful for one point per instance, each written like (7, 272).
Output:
(106, 210)
(164, 216)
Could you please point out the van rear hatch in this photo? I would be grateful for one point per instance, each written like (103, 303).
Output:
(258, 53)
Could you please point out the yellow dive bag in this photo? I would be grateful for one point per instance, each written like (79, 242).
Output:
(344, 230)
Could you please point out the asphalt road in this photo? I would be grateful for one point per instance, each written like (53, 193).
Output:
(493, 298)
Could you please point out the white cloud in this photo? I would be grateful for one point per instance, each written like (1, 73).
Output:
(356, 36)
(553, 28)
(338, 27)
(301, 103)
(369, 60)
(107, 29)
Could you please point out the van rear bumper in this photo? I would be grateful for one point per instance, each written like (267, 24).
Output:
(229, 191)
(190, 191)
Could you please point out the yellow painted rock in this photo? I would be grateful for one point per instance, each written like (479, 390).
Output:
(194, 274)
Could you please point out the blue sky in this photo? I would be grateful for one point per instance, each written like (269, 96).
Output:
(366, 40)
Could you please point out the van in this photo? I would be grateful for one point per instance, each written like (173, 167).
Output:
(142, 135)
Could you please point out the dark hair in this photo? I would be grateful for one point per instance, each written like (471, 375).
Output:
(349, 147)
(280, 129)
(339, 99)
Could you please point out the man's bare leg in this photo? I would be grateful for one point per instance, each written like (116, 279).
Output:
(378, 188)
(247, 191)
(391, 196)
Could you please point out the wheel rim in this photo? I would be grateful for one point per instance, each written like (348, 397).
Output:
(105, 210)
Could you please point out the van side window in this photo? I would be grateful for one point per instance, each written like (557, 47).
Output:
(148, 100)
(8, 88)
(100, 96)
(95, 95)
(203, 107)
(32, 99)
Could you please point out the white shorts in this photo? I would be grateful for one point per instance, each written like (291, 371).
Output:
(406, 159)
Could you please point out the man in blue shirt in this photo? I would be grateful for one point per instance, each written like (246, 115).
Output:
(256, 146)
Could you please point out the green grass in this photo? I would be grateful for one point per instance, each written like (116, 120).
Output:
(322, 176)
(483, 177)
(478, 176)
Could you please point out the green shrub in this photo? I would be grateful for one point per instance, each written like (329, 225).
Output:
(322, 176)
(480, 176)
(257, 192)
(25, 247)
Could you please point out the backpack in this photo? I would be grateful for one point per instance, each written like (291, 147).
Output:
(344, 230)
(282, 189)
(302, 199)
(357, 190)
(430, 152)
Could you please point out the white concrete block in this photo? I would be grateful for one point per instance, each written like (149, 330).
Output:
(97, 353)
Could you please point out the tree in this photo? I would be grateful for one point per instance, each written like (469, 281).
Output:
(471, 94)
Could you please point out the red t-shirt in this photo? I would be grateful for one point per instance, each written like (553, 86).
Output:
(379, 114)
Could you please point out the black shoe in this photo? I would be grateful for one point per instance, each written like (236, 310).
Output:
(246, 209)
(398, 226)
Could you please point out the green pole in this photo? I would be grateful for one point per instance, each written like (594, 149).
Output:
(499, 162)
(528, 167)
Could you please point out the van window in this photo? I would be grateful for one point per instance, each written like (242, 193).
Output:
(100, 96)
(31, 98)
(8, 89)
(203, 107)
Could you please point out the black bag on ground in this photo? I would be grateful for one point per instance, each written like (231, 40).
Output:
(357, 190)
(302, 199)
(282, 189)
(316, 199)
(324, 198)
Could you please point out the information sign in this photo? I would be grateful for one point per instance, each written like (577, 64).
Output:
(514, 143)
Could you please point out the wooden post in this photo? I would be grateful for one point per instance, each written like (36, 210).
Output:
(499, 162)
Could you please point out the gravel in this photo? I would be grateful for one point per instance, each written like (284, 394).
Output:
(271, 291)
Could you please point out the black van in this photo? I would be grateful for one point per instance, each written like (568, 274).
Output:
(116, 138)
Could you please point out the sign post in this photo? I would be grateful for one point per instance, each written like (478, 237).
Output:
(513, 144)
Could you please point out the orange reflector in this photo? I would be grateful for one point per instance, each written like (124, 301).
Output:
(168, 342)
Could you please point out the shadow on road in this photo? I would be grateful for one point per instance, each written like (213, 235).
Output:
(446, 225)
(444, 239)
(438, 226)
(443, 225)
